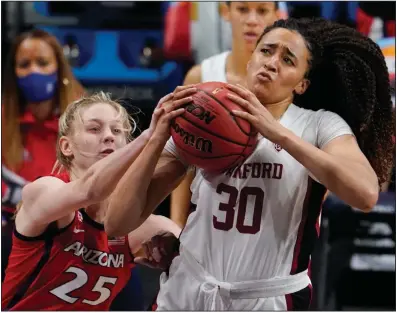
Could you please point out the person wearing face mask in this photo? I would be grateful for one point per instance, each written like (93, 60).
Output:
(38, 87)
(247, 20)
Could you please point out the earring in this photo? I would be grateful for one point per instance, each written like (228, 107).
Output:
(65, 81)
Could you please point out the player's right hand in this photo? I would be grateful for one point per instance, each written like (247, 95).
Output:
(167, 109)
(159, 251)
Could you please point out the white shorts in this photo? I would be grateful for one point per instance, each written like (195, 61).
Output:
(189, 288)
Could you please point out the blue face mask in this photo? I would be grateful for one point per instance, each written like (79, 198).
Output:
(38, 87)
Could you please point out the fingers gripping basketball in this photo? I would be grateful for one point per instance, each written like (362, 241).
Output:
(207, 135)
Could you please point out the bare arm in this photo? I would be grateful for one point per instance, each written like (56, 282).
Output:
(48, 199)
(150, 178)
(340, 166)
(151, 227)
(193, 76)
(158, 173)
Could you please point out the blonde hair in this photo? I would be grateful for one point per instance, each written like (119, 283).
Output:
(72, 113)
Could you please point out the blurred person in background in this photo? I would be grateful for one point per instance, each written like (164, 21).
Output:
(369, 11)
(38, 86)
(247, 20)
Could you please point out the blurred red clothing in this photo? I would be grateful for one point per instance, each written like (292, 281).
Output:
(39, 139)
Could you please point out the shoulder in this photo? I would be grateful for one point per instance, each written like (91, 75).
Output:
(45, 182)
(317, 118)
(323, 115)
(330, 125)
(193, 76)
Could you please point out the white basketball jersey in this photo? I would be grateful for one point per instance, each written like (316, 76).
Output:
(260, 220)
(214, 68)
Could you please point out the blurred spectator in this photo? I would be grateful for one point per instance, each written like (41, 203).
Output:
(38, 86)
(368, 11)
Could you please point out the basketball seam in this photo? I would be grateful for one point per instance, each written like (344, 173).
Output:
(211, 133)
(241, 155)
(236, 121)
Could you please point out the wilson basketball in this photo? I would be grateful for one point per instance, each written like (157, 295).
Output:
(207, 135)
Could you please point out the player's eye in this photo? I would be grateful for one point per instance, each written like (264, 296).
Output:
(288, 61)
(94, 129)
(262, 11)
(265, 51)
(242, 9)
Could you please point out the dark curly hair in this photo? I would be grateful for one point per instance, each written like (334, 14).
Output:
(348, 75)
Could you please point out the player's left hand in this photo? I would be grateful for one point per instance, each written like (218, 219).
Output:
(159, 251)
(257, 115)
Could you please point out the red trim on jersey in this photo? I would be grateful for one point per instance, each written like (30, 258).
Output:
(309, 227)
(288, 299)
(154, 306)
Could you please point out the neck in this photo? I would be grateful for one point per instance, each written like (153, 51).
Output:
(238, 59)
(42, 110)
(278, 109)
(75, 173)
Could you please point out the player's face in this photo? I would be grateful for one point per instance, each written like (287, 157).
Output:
(35, 56)
(278, 65)
(248, 19)
(96, 135)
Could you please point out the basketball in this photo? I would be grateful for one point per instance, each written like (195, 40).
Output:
(207, 135)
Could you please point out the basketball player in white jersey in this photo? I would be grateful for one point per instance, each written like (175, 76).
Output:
(247, 20)
(247, 244)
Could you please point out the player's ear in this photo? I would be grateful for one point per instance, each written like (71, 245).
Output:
(302, 86)
(224, 10)
(65, 147)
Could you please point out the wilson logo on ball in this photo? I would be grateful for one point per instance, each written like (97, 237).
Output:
(200, 112)
(199, 143)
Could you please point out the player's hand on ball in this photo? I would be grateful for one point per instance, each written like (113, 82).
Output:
(159, 251)
(256, 114)
(167, 109)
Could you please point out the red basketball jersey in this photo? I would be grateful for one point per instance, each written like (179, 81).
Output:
(77, 268)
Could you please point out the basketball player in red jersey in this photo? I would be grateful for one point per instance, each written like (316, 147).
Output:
(319, 95)
(61, 258)
(247, 21)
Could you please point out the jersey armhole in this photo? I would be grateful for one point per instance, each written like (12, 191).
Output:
(51, 231)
